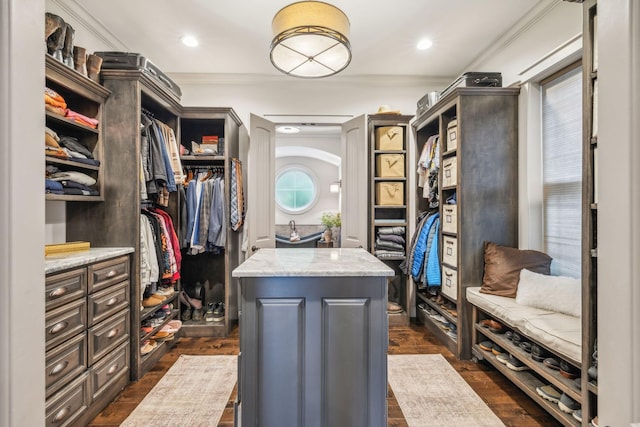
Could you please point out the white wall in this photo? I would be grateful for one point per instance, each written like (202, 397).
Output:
(22, 308)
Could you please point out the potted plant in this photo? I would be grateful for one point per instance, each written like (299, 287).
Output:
(330, 220)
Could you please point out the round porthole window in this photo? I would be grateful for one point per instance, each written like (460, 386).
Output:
(296, 190)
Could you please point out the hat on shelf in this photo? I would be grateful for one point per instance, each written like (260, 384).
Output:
(385, 109)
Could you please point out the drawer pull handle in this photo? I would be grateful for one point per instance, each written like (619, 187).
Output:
(58, 292)
(111, 274)
(62, 414)
(112, 333)
(112, 370)
(112, 301)
(58, 368)
(58, 327)
(448, 274)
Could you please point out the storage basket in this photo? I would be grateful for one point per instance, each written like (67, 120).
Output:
(390, 138)
(450, 282)
(390, 165)
(452, 135)
(450, 218)
(390, 193)
(449, 172)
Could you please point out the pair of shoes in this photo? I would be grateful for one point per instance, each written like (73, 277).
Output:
(493, 325)
(172, 326)
(567, 370)
(516, 338)
(147, 347)
(392, 307)
(163, 336)
(486, 345)
(552, 363)
(526, 346)
(538, 353)
(577, 414)
(218, 312)
(503, 358)
(152, 301)
(515, 364)
(196, 314)
(508, 335)
(567, 404)
(549, 393)
(497, 350)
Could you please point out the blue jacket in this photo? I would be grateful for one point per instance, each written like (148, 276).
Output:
(432, 266)
(420, 248)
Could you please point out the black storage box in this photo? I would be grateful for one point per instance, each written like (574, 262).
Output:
(475, 79)
(135, 61)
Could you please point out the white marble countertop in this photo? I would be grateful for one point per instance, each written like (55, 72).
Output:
(59, 262)
(310, 262)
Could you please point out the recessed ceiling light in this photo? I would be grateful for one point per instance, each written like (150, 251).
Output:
(190, 41)
(424, 44)
(288, 129)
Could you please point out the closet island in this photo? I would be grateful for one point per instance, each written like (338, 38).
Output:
(313, 334)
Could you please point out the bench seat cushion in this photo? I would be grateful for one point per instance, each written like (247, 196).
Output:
(558, 332)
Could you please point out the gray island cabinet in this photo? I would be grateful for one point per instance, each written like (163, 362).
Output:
(313, 339)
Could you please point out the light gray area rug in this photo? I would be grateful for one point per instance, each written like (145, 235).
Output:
(431, 393)
(193, 392)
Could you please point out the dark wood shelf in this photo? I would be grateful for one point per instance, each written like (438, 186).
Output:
(528, 383)
(149, 335)
(73, 198)
(58, 119)
(55, 160)
(592, 388)
(149, 311)
(437, 331)
(450, 318)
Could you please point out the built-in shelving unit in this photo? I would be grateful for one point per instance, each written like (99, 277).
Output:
(389, 202)
(477, 133)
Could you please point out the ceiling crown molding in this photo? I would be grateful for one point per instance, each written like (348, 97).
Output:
(74, 9)
(522, 26)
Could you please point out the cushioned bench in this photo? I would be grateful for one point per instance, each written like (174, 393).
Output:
(558, 332)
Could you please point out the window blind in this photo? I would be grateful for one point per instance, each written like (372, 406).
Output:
(562, 171)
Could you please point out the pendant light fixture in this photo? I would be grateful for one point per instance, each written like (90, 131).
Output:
(311, 40)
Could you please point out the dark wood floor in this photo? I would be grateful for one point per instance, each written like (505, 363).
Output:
(513, 407)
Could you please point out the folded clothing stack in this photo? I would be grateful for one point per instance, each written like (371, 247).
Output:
(69, 182)
(56, 104)
(390, 242)
(68, 148)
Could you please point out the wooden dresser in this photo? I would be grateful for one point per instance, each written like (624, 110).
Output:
(87, 332)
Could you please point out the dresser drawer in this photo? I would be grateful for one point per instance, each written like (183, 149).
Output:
(64, 322)
(107, 335)
(107, 302)
(112, 367)
(450, 282)
(450, 218)
(65, 287)
(65, 362)
(107, 273)
(450, 251)
(68, 404)
(449, 172)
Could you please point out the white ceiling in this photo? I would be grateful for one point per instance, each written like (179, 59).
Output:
(235, 34)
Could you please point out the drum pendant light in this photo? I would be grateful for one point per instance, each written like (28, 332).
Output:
(311, 40)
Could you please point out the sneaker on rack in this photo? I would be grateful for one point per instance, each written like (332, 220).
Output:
(218, 312)
(549, 393)
(515, 364)
(503, 358)
(567, 404)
